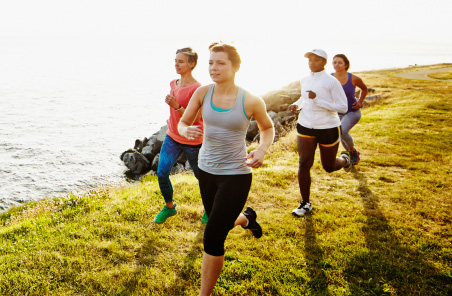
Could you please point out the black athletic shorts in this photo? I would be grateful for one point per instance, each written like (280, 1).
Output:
(325, 137)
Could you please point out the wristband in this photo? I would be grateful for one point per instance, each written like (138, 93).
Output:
(180, 107)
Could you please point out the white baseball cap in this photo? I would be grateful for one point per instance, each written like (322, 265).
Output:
(318, 52)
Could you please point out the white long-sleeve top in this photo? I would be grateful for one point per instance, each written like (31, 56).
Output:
(321, 112)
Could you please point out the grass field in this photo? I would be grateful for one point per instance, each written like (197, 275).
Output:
(382, 229)
(441, 75)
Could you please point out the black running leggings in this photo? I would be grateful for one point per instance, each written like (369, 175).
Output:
(224, 197)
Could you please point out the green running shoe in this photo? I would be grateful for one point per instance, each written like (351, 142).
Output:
(204, 218)
(164, 214)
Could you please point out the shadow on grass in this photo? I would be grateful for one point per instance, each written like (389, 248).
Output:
(388, 267)
(314, 256)
(145, 259)
(189, 273)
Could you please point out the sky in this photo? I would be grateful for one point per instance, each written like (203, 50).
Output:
(258, 21)
(270, 33)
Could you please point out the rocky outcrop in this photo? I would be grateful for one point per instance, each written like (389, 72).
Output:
(144, 157)
(135, 161)
(279, 100)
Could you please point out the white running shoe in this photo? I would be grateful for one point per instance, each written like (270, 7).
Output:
(303, 209)
(349, 165)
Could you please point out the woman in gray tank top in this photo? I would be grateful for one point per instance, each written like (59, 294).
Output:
(225, 167)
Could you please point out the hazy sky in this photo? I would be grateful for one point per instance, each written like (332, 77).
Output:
(271, 35)
(257, 21)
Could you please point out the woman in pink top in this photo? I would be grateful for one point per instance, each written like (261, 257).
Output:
(174, 144)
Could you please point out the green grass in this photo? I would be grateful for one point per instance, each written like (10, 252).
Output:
(383, 229)
(441, 75)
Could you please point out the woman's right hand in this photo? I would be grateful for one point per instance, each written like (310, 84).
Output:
(293, 108)
(171, 101)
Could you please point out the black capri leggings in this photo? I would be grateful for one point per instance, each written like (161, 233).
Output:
(224, 197)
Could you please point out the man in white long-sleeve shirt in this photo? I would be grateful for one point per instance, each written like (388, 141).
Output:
(322, 97)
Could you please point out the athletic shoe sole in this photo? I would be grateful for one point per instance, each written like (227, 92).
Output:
(305, 212)
(166, 218)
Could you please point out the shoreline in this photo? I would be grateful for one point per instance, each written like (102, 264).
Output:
(270, 97)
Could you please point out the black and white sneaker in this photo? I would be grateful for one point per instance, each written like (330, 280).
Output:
(255, 228)
(302, 209)
(349, 165)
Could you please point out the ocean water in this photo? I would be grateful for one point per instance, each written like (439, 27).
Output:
(67, 114)
(69, 107)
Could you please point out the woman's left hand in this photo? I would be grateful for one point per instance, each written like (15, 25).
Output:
(193, 132)
(356, 105)
(255, 159)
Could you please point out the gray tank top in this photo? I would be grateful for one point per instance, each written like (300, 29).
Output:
(223, 151)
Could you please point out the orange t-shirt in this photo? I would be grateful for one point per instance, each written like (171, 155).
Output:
(183, 96)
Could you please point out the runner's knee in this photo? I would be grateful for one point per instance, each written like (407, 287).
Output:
(305, 164)
(329, 168)
(214, 248)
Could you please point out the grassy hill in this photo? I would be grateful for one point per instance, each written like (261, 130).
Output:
(383, 229)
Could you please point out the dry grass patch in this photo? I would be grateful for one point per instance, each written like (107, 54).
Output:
(441, 75)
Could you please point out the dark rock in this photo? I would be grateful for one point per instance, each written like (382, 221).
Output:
(125, 152)
(156, 140)
(161, 134)
(148, 153)
(288, 119)
(177, 169)
(131, 177)
(155, 145)
(155, 162)
(136, 162)
(145, 141)
(252, 131)
(138, 145)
